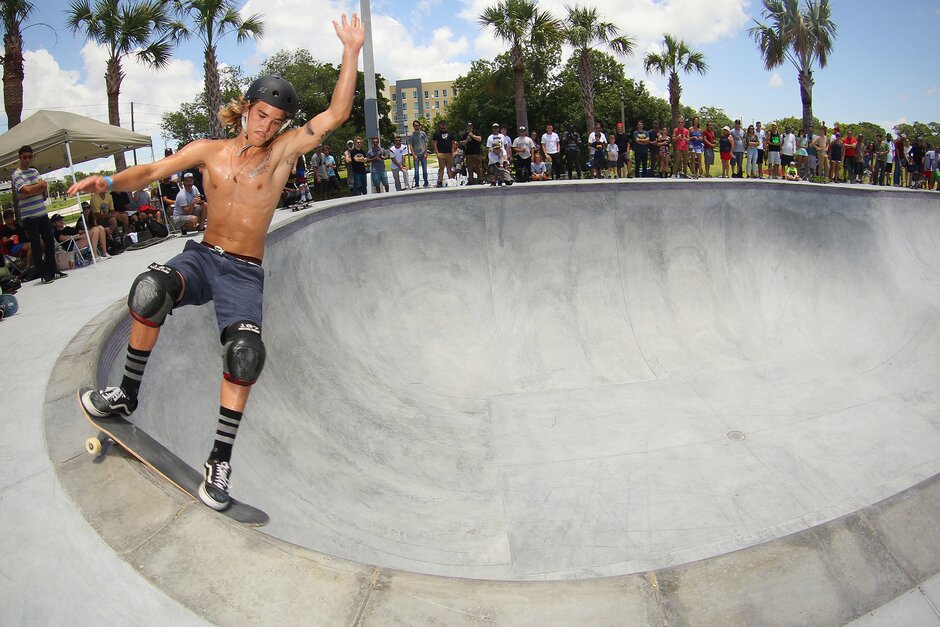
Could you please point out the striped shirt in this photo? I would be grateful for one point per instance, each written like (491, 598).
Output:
(32, 206)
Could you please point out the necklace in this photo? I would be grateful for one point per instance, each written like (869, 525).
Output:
(234, 175)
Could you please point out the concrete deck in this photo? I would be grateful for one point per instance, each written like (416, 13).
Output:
(678, 402)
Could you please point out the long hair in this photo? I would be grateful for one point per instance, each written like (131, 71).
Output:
(231, 114)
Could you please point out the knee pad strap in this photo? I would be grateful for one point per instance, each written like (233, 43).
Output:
(242, 352)
(154, 293)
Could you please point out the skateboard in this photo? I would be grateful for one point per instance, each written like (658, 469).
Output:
(159, 459)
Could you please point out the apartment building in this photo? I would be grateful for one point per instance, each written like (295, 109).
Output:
(412, 99)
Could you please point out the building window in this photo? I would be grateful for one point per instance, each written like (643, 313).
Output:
(394, 97)
(437, 104)
(416, 94)
(435, 94)
(427, 104)
(445, 93)
(425, 94)
(445, 103)
(427, 115)
(404, 118)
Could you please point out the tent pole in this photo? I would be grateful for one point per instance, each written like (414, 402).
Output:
(166, 218)
(94, 255)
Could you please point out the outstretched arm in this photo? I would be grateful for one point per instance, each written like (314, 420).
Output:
(312, 134)
(138, 176)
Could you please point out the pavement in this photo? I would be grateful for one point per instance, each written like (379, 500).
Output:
(683, 402)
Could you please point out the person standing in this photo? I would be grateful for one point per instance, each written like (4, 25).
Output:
(358, 163)
(622, 140)
(697, 147)
(398, 152)
(772, 150)
(762, 136)
(444, 146)
(787, 147)
(472, 155)
(752, 141)
(900, 159)
(851, 147)
(31, 192)
(641, 151)
(708, 137)
(821, 143)
(244, 177)
(522, 148)
(882, 151)
(572, 141)
(680, 139)
(738, 140)
(376, 158)
(419, 150)
(551, 147)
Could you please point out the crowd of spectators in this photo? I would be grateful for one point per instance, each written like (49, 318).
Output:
(684, 151)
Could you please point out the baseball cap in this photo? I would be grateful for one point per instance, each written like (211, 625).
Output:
(188, 175)
(521, 128)
(495, 124)
(55, 218)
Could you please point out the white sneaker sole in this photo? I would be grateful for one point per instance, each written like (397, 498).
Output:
(89, 407)
(208, 501)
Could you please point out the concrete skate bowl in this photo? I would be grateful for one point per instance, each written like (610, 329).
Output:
(573, 381)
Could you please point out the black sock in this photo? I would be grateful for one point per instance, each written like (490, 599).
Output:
(225, 433)
(134, 366)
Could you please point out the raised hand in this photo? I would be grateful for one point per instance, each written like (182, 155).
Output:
(351, 33)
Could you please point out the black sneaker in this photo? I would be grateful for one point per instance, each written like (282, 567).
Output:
(108, 402)
(59, 275)
(214, 490)
(46, 280)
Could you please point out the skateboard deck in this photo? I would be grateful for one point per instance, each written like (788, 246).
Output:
(159, 459)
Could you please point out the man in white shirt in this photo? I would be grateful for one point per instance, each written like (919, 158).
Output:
(398, 152)
(189, 209)
(551, 147)
(597, 146)
(522, 148)
(787, 147)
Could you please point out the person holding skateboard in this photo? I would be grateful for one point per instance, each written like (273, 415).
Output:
(243, 177)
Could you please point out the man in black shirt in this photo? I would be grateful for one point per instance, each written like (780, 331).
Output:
(641, 151)
(572, 144)
(358, 165)
(473, 155)
(623, 150)
(444, 146)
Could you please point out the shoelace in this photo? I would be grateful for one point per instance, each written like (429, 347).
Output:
(113, 394)
(220, 476)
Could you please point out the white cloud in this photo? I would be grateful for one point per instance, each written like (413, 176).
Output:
(775, 81)
(398, 53)
(930, 91)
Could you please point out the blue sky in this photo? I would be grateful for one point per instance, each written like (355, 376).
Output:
(866, 79)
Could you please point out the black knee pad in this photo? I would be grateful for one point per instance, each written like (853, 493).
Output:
(154, 293)
(242, 352)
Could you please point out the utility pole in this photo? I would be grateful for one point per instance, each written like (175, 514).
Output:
(133, 129)
(368, 65)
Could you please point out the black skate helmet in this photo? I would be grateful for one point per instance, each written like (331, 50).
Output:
(275, 91)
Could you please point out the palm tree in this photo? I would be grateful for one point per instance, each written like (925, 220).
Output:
(584, 32)
(214, 19)
(675, 55)
(521, 24)
(14, 14)
(132, 28)
(802, 36)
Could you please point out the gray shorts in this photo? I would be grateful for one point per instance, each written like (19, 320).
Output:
(773, 157)
(234, 285)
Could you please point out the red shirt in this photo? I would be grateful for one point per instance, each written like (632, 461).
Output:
(709, 138)
(683, 142)
(851, 144)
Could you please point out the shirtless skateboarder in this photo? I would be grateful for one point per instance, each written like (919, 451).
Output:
(243, 178)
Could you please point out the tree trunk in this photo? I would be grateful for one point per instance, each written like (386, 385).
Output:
(586, 79)
(806, 96)
(113, 77)
(518, 74)
(13, 78)
(213, 94)
(675, 92)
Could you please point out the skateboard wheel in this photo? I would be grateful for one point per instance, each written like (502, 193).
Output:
(94, 447)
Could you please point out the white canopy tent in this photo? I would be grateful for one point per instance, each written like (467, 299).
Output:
(60, 139)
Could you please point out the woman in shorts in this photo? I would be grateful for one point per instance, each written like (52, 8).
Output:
(725, 144)
(696, 148)
(836, 154)
(664, 141)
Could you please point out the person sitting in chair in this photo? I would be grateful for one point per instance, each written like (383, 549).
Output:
(189, 212)
(72, 239)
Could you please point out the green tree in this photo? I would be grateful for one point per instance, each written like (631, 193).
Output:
(138, 28)
(14, 14)
(803, 36)
(314, 82)
(191, 121)
(675, 56)
(521, 24)
(716, 116)
(585, 32)
(214, 19)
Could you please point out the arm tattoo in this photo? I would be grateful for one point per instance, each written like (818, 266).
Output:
(308, 128)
